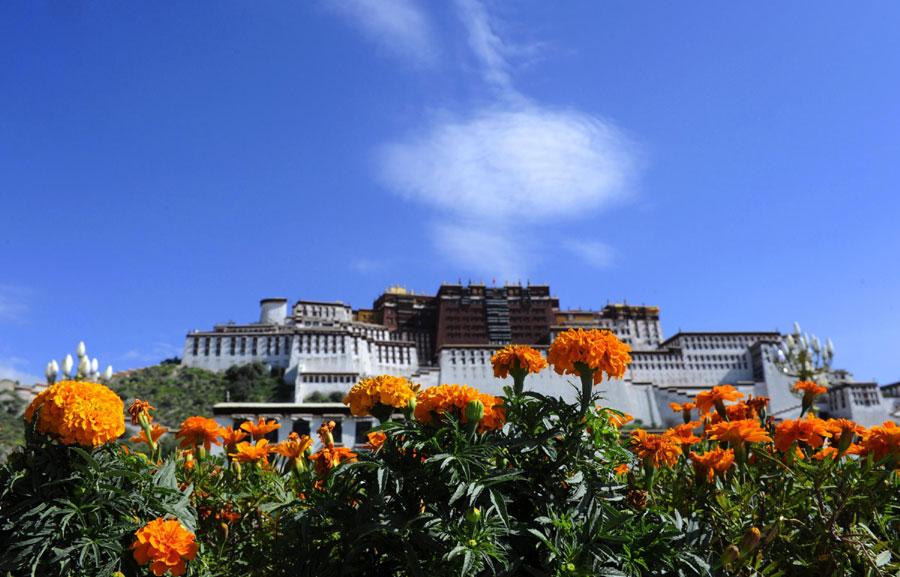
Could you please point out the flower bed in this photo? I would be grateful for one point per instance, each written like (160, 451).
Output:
(466, 484)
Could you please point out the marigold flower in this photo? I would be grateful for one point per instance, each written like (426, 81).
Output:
(809, 387)
(165, 544)
(87, 414)
(513, 358)
(712, 462)
(261, 428)
(376, 440)
(385, 390)
(325, 433)
(138, 408)
(248, 453)
(230, 437)
(882, 440)
(683, 407)
(155, 433)
(655, 449)
(706, 400)
(329, 458)
(294, 447)
(810, 430)
(199, 430)
(738, 432)
(683, 434)
(454, 399)
(621, 469)
(757, 404)
(594, 350)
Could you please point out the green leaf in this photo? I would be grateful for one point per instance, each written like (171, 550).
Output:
(883, 558)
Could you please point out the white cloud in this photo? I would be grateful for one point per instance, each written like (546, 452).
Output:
(492, 250)
(367, 265)
(399, 26)
(485, 44)
(595, 254)
(12, 304)
(9, 370)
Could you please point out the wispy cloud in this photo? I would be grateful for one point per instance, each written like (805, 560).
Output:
(367, 265)
(595, 254)
(398, 26)
(13, 307)
(10, 368)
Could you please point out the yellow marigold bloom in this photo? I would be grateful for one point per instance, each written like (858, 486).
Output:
(230, 437)
(655, 449)
(683, 434)
(165, 545)
(386, 390)
(376, 440)
(294, 447)
(87, 414)
(196, 431)
(454, 398)
(811, 430)
(329, 458)
(261, 428)
(738, 432)
(882, 440)
(599, 351)
(517, 357)
(138, 408)
(155, 433)
(247, 453)
(706, 400)
(712, 462)
(809, 387)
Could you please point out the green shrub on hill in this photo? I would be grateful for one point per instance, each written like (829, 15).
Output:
(180, 392)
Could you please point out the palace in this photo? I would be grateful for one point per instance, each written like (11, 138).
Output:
(450, 337)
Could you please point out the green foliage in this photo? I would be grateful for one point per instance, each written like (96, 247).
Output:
(180, 392)
(11, 432)
(319, 397)
(70, 511)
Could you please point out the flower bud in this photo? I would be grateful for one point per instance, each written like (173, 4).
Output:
(731, 553)
(80, 349)
(84, 366)
(107, 374)
(67, 365)
(473, 515)
(409, 410)
(750, 540)
(94, 365)
(474, 411)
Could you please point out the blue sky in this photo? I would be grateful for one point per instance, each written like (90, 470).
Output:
(163, 166)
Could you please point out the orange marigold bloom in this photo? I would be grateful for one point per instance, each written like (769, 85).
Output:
(199, 430)
(738, 432)
(838, 427)
(294, 447)
(87, 414)
(621, 469)
(230, 437)
(712, 462)
(683, 434)
(811, 430)
(517, 358)
(138, 408)
(376, 440)
(165, 544)
(261, 428)
(684, 407)
(882, 440)
(247, 453)
(706, 400)
(655, 449)
(329, 458)
(809, 387)
(155, 433)
(385, 390)
(757, 404)
(599, 351)
(454, 398)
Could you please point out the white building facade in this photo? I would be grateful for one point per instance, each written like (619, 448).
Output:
(324, 350)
